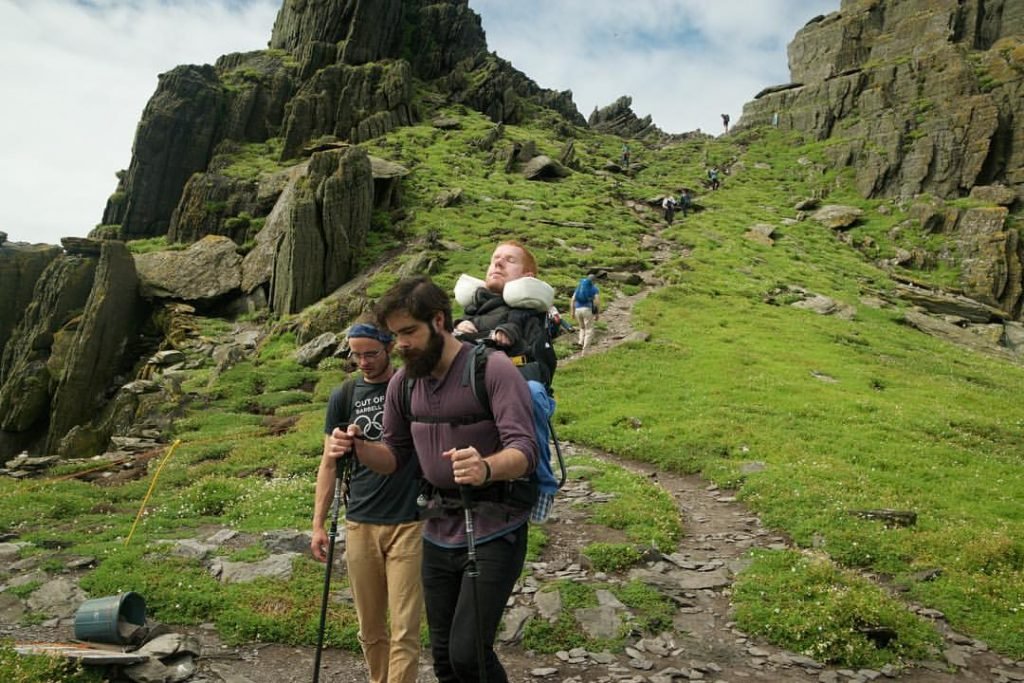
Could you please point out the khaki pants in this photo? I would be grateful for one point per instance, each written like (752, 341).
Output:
(383, 563)
(585, 326)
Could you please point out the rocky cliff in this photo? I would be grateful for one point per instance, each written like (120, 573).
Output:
(20, 268)
(69, 345)
(917, 96)
(922, 97)
(336, 69)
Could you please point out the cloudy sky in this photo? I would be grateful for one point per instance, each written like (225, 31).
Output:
(76, 74)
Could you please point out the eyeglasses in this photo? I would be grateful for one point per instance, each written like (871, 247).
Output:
(367, 355)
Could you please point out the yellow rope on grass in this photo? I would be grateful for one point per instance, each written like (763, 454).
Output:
(152, 485)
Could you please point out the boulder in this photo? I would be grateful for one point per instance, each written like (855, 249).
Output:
(992, 258)
(82, 246)
(208, 270)
(761, 233)
(934, 215)
(956, 334)
(954, 305)
(837, 217)
(387, 177)
(311, 353)
(543, 167)
(994, 194)
(258, 265)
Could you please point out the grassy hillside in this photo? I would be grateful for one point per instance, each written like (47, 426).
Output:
(809, 417)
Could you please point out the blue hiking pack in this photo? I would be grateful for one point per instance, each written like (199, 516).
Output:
(585, 292)
(542, 481)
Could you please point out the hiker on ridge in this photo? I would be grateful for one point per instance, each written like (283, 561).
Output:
(669, 206)
(685, 200)
(425, 422)
(713, 177)
(584, 307)
(383, 539)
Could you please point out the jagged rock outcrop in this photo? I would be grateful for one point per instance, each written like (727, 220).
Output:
(59, 298)
(20, 268)
(322, 225)
(260, 264)
(214, 204)
(68, 346)
(444, 32)
(96, 353)
(364, 31)
(259, 85)
(618, 119)
(354, 103)
(337, 69)
(175, 138)
(917, 95)
(504, 93)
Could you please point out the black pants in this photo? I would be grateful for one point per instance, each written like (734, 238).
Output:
(448, 596)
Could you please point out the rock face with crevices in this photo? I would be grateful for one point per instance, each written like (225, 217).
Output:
(918, 95)
(338, 69)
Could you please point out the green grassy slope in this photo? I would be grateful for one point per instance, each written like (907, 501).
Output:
(727, 378)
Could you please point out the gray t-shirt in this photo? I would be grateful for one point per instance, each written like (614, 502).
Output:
(374, 498)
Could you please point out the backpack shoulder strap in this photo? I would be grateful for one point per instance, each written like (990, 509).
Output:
(475, 375)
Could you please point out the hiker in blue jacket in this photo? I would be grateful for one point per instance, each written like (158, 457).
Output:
(585, 307)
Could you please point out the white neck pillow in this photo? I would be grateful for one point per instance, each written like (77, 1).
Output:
(524, 292)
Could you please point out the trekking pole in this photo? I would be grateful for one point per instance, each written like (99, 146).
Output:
(341, 483)
(558, 452)
(472, 571)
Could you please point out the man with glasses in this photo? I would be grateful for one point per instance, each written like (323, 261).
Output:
(383, 539)
(459, 451)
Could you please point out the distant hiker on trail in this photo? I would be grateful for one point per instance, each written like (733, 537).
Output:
(685, 200)
(509, 309)
(725, 122)
(585, 307)
(383, 539)
(484, 460)
(669, 205)
(625, 156)
(713, 181)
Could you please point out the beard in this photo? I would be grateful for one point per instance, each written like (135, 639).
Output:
(420, 363)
